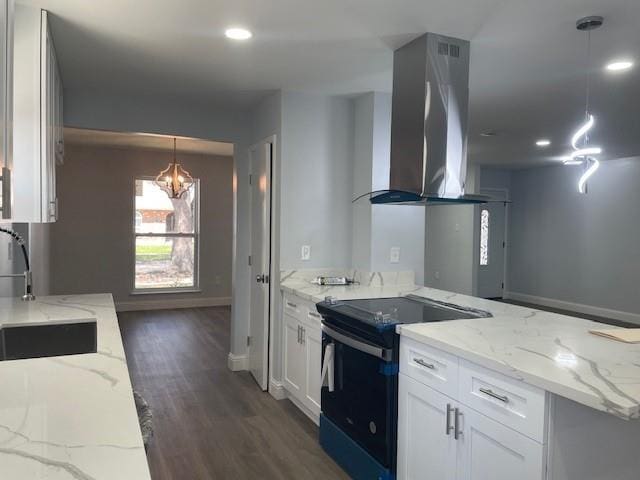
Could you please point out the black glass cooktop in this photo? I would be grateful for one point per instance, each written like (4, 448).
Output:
(388, 312)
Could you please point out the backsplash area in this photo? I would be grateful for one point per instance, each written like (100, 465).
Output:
(364, 278)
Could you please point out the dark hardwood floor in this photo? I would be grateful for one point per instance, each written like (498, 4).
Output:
(209, 422)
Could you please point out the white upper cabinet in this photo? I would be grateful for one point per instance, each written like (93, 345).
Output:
(6, 108)
(37, 115)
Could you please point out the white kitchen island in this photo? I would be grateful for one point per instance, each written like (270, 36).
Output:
(535, 395)
(523, 395)
(69, 417)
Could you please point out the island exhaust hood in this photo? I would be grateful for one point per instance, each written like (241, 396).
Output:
(429, 123)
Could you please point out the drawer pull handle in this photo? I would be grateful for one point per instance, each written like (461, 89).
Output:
(456, 423)
(422, 363)
(312, 314)
(292, 305)
(492, 394)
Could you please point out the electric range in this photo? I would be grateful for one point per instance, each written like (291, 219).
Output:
(359, 399)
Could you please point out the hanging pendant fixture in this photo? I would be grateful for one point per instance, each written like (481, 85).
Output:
(174, 180)
(584, 154)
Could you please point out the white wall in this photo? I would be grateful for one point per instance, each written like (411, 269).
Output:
(582, 249)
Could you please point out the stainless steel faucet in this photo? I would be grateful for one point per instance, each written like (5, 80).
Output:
(28, 283)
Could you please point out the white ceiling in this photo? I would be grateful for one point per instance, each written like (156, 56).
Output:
(527, 72)
(146, 141)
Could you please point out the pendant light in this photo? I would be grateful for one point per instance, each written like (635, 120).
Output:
(584, 154)
(174, 180)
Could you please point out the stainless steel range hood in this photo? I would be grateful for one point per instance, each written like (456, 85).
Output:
(429, 123)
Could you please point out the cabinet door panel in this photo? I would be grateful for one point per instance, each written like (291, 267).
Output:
(425, 451)
(293, 356)
(487, 450)
(313, 349)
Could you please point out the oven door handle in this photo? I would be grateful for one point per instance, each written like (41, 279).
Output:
(327, 367)
(379, 352)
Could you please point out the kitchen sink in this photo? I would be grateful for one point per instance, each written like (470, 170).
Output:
(48, 340)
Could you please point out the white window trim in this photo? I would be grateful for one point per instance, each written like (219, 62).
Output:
(195, 288)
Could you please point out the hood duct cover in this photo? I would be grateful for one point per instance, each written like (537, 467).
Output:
(429, 123)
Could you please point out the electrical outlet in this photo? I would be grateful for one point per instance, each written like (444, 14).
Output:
(306, 252)
(437, 275)
(394, 255)
(217, 279)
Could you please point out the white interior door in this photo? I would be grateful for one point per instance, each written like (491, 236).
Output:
(260, 157)
(492, 245)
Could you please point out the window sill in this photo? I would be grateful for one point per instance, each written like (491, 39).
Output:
(164, 291)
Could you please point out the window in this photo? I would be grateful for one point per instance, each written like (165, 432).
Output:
(165, 238)
(484, 237)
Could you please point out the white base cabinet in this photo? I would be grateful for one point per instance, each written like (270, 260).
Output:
(424, 442)
(302, 354)
(482, 449)
(461, 421)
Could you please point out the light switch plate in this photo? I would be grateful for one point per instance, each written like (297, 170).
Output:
(306, 252)
(394, 255)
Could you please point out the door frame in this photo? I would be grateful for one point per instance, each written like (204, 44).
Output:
(503, 195)
(274, 274)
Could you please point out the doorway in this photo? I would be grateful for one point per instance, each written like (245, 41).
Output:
(261, 164)
(492, 244)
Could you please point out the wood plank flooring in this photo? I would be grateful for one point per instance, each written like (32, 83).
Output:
(209, 422)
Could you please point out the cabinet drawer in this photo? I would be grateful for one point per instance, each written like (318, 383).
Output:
(504, 399)
(429, 366)
(311, 316)
(292, 305)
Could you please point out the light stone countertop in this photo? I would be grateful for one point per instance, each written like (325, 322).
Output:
(69, 417)
(551, 351)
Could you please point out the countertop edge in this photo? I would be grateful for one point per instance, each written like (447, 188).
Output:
(625, 413)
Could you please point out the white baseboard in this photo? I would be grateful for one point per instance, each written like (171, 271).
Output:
(276, 389)
(574, 307)
(237, 363)
(166, 302)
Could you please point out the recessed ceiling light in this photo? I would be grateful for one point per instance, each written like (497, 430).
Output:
(236, 33)
(619, 66)
(543, 142)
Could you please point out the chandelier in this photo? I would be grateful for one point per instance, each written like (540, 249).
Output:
(174, 180)
(584, 153)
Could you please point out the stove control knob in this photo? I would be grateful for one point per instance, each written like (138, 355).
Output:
(331, 300)
(372, 427)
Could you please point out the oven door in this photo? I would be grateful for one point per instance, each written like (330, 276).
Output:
(359, 392)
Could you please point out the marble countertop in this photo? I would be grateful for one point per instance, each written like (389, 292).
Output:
(551, 351)
(69, 417)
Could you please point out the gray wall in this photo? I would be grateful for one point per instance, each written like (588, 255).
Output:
(263, 121)
(377, 228)
(11, 261)
(362, 181)
(316, 180)
(92, 242)
(450, 239)
(583, 249)
(151, 114)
